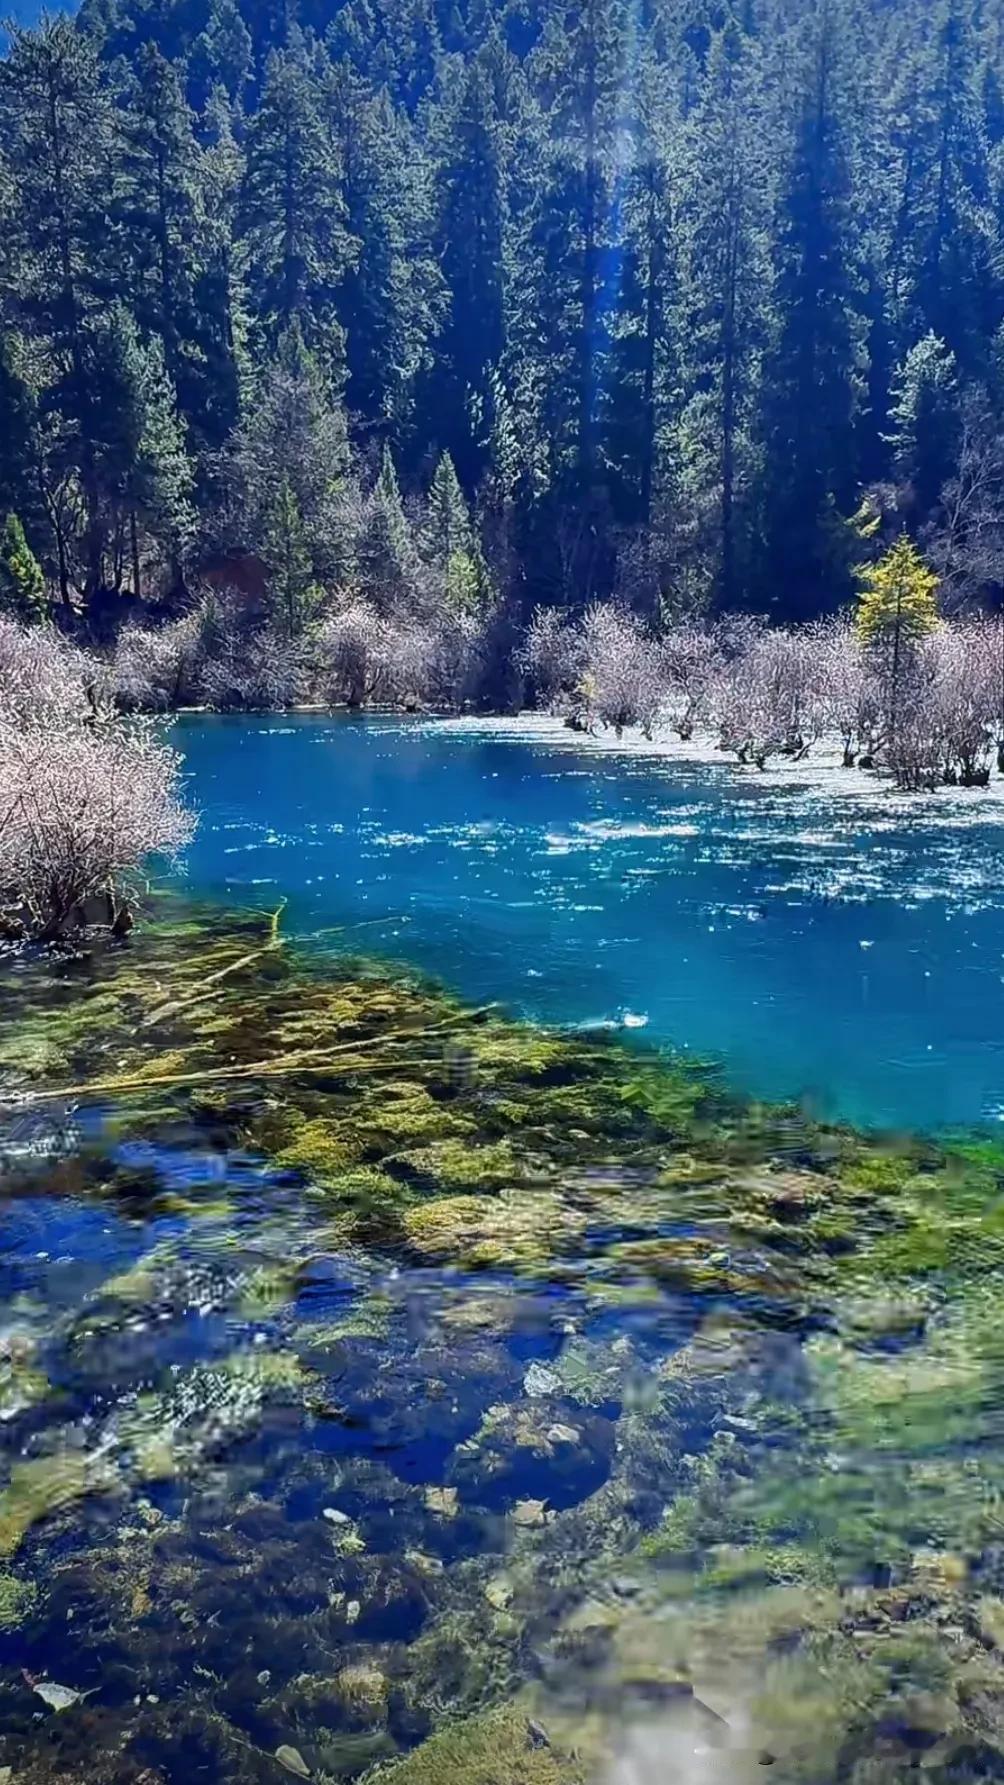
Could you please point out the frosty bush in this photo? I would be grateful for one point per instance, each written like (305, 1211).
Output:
(85, 795)
(156, 669)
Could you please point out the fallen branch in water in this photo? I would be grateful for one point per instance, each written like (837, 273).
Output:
(314, 1059)
(175, 1005)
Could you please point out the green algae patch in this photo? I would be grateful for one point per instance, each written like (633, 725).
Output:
(498, 1747)
(519, 1230)
(44, 1486)
(18, 1600)
(319, 1149)
(455, 1166)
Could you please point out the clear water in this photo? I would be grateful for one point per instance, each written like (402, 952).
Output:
(346, 1403)
(823, 939)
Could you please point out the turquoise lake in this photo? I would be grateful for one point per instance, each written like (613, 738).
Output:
(820, 937)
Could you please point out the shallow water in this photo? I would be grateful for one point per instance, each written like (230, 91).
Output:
(842, 946)
(385, 1385)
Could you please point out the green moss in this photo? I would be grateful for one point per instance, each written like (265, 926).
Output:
(18, 1599)
(41, 1487)
(520, 1230)
(497, 1747)
(319, 1149)
(454, 1166)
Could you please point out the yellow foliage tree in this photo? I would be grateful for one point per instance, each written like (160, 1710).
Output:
(898, 604)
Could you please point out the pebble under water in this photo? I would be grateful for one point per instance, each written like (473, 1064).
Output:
(393, 1390)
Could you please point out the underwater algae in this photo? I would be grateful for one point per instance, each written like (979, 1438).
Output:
(390, 1389)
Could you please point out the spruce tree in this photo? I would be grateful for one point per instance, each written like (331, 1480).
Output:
(924, 418)
(725, 294)
(814, 372)
(390, 300)
(292, 431)
(55, 123)
(293, 212)
(159, 203)
(386, 553)
(471, 226)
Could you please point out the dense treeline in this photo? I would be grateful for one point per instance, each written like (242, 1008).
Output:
(454, 308)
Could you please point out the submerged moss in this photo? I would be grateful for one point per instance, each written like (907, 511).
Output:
(498, 1747)
(18, 1599)
(726, 1370)
(44, 1486)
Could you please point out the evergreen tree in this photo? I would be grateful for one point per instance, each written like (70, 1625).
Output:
(452, 543)
(814, 370)
(292, 431)
(641, 393)
(946, 280)
(22, 585)
(896, 607)
(292, 592)
(580, 71)
(726, 279)
(390, 299)
(55, 122)
(386, 554)
(925, 421)
(159, 201)
(471, 226)
(293, 212)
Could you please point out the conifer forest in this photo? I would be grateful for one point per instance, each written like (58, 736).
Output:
(462, 303)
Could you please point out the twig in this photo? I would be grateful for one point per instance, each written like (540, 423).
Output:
(310, 1060)
(174, 1006)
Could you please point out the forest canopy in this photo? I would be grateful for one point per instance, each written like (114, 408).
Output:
(445, 306)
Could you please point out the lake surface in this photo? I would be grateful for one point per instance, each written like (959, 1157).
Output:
(387, 1384)
(825, 939)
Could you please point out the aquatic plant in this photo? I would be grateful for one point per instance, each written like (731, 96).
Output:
(468, 1343)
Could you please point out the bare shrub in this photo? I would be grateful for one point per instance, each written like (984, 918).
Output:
(768, 701)
(694, 659)
(42, 674)
(850, 692)
(961, 697)
(552, 656)
(623, 681)
(81, 806)
(159, 669)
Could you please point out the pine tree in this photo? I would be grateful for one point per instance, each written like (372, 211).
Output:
(725, 206)
(222, 55)
(924, 415)
(640, 397)
(580, 70)
(944, 276)
(471, 224)
(293, 594)
(390, 300)
(293, 430)
(814, 371)
(293, 212)
(55, 123)
(386, 554)
(22, 585)
(451, 541)
(142, 468)
(159, 203)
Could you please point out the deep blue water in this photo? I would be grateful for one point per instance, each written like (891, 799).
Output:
(826, 939)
